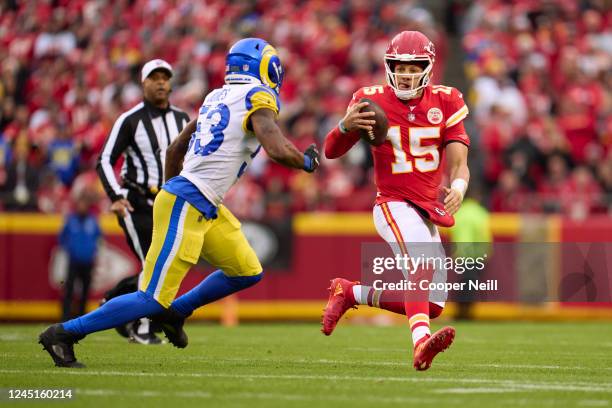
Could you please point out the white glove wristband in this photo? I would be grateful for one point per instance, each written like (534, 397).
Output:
(460, 185)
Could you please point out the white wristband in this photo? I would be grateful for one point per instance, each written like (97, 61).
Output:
(460, 185)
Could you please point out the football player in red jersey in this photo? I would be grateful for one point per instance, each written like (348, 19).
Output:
(425, 130)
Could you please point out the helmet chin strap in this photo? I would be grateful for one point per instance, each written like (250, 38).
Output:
(406, 94)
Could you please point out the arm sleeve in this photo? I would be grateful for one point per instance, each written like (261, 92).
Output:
(337, 143)
(116, 143)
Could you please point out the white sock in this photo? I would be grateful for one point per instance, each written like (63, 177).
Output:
(143, 327)
(360, 293)
(419, 332)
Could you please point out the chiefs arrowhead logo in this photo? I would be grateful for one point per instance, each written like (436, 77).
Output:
(434, 116)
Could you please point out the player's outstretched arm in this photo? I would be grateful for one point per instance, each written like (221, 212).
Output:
(176, 151)
(278, 147)
(456, 162)
(341, 138)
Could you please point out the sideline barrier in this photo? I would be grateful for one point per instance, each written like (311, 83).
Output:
(29, 290)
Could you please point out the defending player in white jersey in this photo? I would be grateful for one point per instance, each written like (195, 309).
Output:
(189, 219)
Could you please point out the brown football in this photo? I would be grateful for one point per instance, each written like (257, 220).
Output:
(378, 135)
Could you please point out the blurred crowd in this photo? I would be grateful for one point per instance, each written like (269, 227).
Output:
(541, 77)
(539, 72)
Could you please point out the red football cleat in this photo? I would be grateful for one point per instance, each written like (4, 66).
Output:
(340, 300)
(428, 348)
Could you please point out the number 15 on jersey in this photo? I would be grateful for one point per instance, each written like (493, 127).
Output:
(424, 158)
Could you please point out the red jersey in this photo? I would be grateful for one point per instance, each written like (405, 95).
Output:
(408, 166)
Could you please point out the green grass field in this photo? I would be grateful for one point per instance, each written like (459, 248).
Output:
(288, 365)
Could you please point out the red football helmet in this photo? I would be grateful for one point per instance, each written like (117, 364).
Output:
(409, 47)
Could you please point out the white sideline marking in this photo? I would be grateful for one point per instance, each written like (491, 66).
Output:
(143, 393)
(480, 390)
(319, 397)
(539, 367)
(540, 386)
(594, 403)
(15, 337)
(380, 349)
(242, 395)
(407, 363)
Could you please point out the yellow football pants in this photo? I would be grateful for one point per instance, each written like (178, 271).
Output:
(181, 235)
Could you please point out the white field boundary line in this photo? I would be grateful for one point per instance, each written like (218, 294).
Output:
(378, 363)
(106, 392)
(593, 403)
(477, 390)
(506, 342)
(381, 363)
(395, 364)
(535, 386)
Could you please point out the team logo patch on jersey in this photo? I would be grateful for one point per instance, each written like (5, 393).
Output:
(434, 116)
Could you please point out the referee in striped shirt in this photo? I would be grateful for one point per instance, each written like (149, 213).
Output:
(141, 135)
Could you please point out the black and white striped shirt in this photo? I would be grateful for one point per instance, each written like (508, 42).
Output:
(142, 135)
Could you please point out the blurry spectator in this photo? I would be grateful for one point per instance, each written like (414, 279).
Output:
(5, 158)
(581, 194)
(547, 67)
(19, 125)
(63, 157)
(79, 238)
(497, 134)
(52, 194)
(604, 173)
(523, 158)
(18, 192)
(578, 125)
(55, 40)
(496, 88)
(557, 172)
(540, 75)
(509, 195)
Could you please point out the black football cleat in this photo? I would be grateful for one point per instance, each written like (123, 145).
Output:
(59, 344)
(172, 323)
(124, 330)
(138, 336)
(144, 338)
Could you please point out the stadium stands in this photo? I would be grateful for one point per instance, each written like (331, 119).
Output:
(540, 92)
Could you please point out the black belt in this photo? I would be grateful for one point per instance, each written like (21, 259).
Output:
(150, 192)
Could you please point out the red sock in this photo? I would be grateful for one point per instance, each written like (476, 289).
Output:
(416, 304)
(418, 317)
